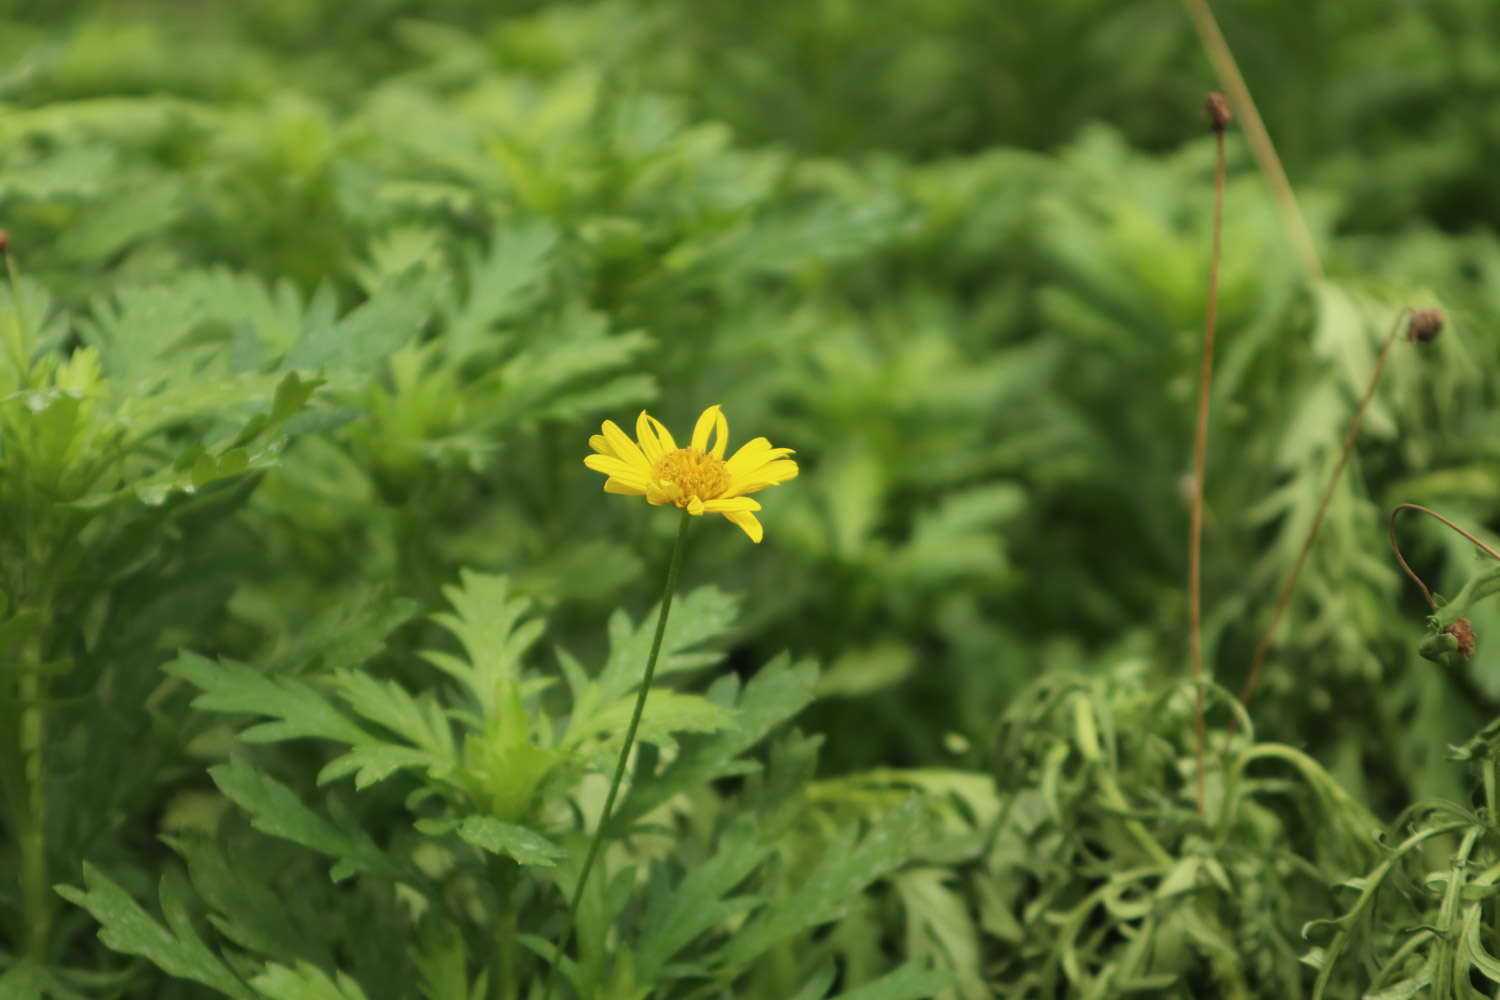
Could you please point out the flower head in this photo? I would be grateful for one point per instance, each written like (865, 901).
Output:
(698, 478)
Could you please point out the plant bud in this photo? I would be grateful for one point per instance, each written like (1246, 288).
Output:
(1425, 325)
(1217, 107)
(1462, 631)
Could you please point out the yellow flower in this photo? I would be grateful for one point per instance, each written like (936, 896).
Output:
(696, 478)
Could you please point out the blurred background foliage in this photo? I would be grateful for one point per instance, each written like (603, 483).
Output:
(952, 251)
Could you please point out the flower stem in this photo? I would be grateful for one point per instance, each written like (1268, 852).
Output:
(1391, 525)
(1261, 146)
(630, 731)
(1259, 659)
(36, 896)
(1195, 530)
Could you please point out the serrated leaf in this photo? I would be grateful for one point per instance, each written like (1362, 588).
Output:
(666, 713)
(849, 865)
(245, 908)
(912, 981)
(702, 900)
(421, 721)
(127, 927)
(525, 845)
(441, 961)
(938, 925)
(306, 982)
(374, 762)
(506, 281)
(775, 694)
(697, 618)
(299, 709)
(491, 625)
(384, 322)
(275, 810)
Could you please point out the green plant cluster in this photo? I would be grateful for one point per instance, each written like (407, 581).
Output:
(319, 641)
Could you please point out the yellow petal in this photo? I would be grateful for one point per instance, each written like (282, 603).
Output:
(726, 505)
(770, 474)
(650, 444)
(668, 443)
(597, 442)
(747, 523)
(695, 506)
(711, 421)
(613, 485)
(752, 455)
(617, 469)
(624, 448)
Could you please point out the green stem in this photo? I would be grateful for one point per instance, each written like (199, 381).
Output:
(36, 893)
(630, 731)
(36, 897)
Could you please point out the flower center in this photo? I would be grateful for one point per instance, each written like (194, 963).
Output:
(687, 473)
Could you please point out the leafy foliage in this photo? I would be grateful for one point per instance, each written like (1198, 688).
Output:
(318, 636)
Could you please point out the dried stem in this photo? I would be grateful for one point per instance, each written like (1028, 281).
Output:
(1255, 133)
(1258, 661)
(1391, 525)
(1219, 116)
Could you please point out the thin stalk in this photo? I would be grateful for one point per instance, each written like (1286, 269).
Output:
(503, 876)
(630, 731)
(31, 821)
(1200, 441)
(36, 895)
(1391, 526)
(1264, 647)
(1255, 133)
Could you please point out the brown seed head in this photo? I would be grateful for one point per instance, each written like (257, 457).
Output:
(4, 243)
(1425, 325)
(1464, 633)
(1218, 111)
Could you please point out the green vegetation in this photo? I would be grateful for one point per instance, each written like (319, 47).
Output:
(320, 641)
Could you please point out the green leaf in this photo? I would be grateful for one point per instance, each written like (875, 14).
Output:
(666, 712)
(292, 395)
(441, 960)
(776, 693)
(390, 318)
(702, 900)
(306, 982)
(418, 720)
(372, 763)
(503, 283)
(245, 908)
(127, 927)
(299, 709)
(939, 927)
(491, 625)
(912, 981)
(275, 810)
(525, 845)
(697, 618)
(849, 865)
